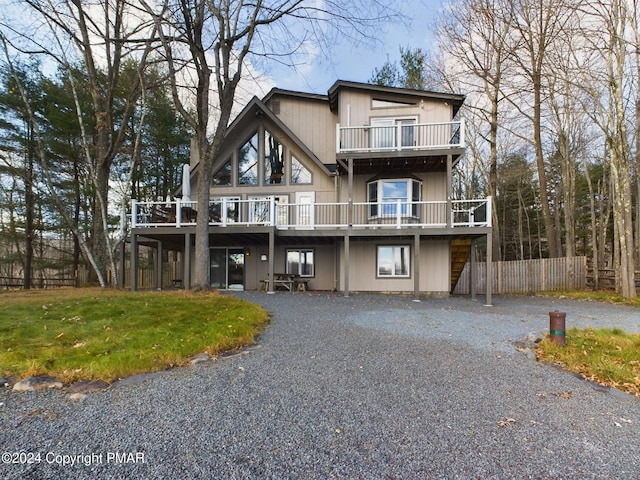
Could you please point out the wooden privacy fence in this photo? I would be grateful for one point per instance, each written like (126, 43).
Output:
(171, 274)
(528, 276)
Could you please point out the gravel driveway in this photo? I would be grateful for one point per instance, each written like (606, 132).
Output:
(365, 387)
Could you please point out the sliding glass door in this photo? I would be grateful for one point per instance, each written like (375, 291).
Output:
(227, 268)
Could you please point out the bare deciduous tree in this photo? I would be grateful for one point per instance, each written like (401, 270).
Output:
(540, 25)
(476, 35)
(105, 39)
(604, 76)
(214, 41)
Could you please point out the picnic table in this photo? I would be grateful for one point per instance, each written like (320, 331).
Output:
(283, 280)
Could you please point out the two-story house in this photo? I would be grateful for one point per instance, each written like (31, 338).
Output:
(349, 191)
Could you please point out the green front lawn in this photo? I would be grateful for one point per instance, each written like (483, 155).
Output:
(607, 356)
(75, 334)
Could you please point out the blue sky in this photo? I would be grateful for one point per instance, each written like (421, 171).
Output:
(356, 62)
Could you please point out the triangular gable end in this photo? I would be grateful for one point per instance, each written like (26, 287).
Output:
(257, 107)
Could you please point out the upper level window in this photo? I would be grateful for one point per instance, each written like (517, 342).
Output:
(223, 176)
(387, 195)
(391, 133)
(248, 162)
(299, 173)
(273, 160)
(263, 160)
(387, 103)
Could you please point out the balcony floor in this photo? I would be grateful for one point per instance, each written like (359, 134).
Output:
(399, 162)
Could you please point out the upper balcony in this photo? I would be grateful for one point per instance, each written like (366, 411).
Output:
(268, 212)
(400, 137)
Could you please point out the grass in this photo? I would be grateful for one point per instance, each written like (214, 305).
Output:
(75, 334)
(605, 296)
(606, 356)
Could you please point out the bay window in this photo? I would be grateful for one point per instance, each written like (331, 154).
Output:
(384, 195)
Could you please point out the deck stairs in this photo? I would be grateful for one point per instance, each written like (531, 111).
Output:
(460, 250)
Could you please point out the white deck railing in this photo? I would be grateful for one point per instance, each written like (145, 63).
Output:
(400, 137)
(317, 216)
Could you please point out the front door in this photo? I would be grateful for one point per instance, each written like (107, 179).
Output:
(227, 268)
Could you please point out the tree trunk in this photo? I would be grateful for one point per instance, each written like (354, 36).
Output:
(493, 168)
(202, 265)
(549, 227)
(100, 245)
(568, 196)
(29, 211)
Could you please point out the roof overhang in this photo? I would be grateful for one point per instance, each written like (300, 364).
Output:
(455, 99)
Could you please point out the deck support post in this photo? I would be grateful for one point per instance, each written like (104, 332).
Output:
(134, 262)
(121, 263)
(472, 269)
(489, 282)
(186, 261)
(158, 270)
(416, 268)
(347, 237)
(350, 192)
(449, 191)
(347, 241)
(272, 249)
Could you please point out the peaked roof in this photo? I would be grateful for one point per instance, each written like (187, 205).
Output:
(455, 99)
(258, 107)
(293, 93)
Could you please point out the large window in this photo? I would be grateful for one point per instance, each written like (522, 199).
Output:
(299, 173)
(384, 196)
(223, 176)
(263, 160)
(300, 262)
(273, 160)
(393, 261)
(248, 162)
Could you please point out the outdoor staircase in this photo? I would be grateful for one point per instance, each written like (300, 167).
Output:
(460, 250)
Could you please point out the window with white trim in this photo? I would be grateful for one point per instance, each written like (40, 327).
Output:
(300, 262)
(393, 133)
(393, 261)
(384, 195)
